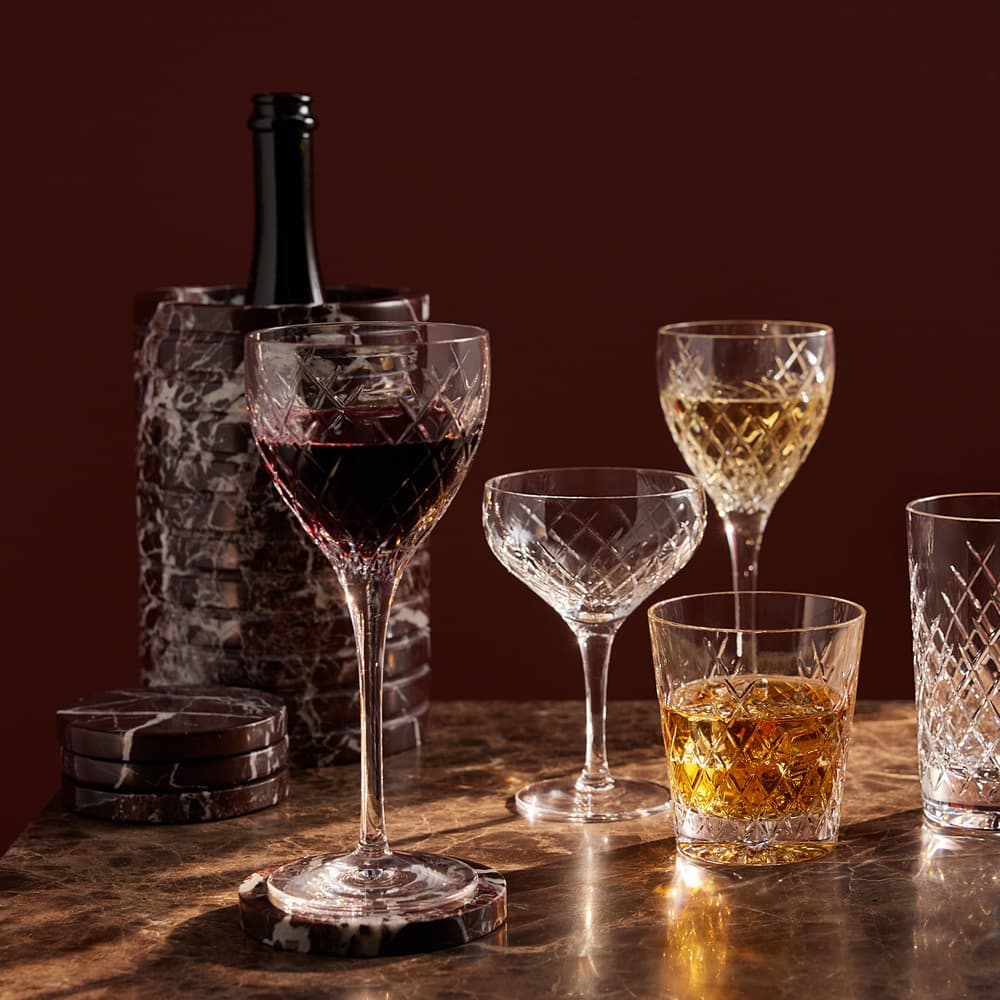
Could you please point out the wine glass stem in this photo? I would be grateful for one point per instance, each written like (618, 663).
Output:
(744, 532)
(368, 600)
(595, 650)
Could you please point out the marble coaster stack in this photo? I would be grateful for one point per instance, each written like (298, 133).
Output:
(173, 755)
(232, 592)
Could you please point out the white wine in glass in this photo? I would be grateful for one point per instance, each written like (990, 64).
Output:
(745, 401)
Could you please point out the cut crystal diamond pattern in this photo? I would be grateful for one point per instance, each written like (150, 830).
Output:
(594, 559)
(746, 438)
(757, 766)
(956, 643)
(316, 409)
(756, 725)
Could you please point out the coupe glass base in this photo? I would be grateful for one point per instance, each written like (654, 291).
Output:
(331, 887)
(559, 799)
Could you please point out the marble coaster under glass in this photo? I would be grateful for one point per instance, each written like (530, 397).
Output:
(481, 912)
(561, 799)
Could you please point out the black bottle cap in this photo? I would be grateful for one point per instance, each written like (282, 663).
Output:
(271, 111)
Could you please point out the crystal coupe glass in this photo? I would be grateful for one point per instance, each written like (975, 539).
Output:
(745, 401)
(368, 430)
(593, 543)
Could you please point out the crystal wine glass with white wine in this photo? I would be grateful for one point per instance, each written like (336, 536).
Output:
(745, 401)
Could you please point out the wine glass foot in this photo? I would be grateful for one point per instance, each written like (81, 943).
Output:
(334, 887)
(362, 935)
(559, 799)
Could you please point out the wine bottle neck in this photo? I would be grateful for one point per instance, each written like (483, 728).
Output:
(284, 268)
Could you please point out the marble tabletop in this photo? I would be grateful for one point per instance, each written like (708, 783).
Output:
(91, 908)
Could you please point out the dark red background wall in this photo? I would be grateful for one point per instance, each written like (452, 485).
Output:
(568, 175)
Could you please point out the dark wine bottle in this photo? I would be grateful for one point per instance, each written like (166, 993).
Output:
(284, 269)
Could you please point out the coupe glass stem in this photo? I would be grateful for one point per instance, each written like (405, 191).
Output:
(595, 650)
(744, 532)
(368, 598)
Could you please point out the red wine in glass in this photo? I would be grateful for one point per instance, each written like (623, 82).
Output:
(368, 430)
(356, 489)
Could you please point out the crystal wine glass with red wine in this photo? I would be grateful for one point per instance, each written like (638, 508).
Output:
(368, 430)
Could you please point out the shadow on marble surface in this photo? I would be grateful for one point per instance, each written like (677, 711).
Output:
(897, 910)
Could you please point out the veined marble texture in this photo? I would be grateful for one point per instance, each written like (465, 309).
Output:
(175, 807)
(314, 627)
(323, 723)
(169, 470)
(316, 743)
(255, 558)
(182, 663)
(203, 327)
(180, 432)
(176, 776)
(222, 512)
(183, 651)
(171, 724)
(249, 630)
(895, 911)
(282, 593)
(232, 590)
(401, 695)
